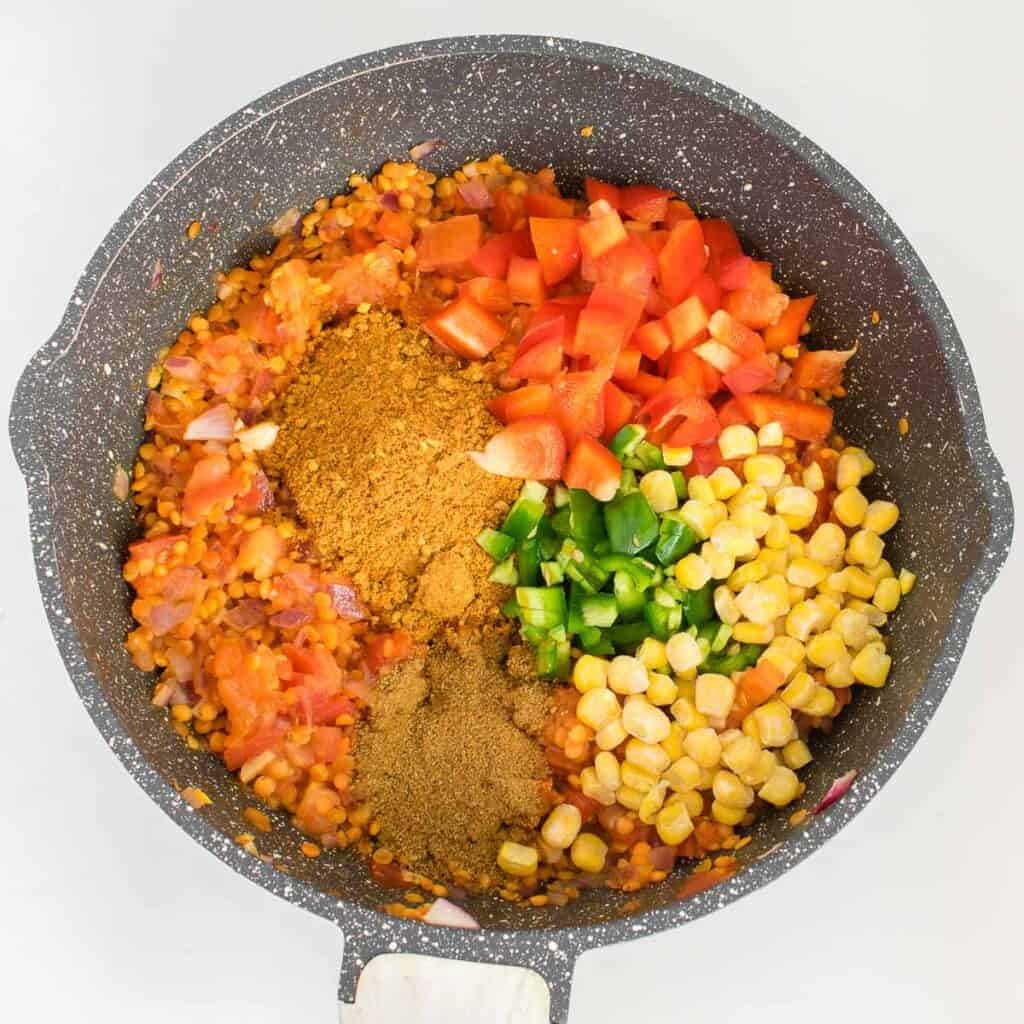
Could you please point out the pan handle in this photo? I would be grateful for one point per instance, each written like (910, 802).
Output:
(437, 975)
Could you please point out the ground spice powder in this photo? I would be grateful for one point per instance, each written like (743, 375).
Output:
(449, 761)
(372, 448)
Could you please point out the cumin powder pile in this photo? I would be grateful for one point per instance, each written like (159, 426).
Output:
(372, 446)
(449, 760)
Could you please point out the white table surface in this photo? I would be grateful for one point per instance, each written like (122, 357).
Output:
(109, 913)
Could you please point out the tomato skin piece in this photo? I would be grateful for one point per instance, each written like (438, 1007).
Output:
(556, 242)
(645, 203)
(596, 189)
(531, 400)
(723, 243)
(541, 361)
(526, 281)
(532, 448)
(490, 292)
(821, 369)
(751, 375)
(687, 323)
(394, 228)
(593, 468)
(618, 410)
(804, 421)
(576, 402)
(213, 481)
(544, 204)
(466, 328)
(627, 364)
(682, 260)
(447, 244)
(786, 330)
(652, 339)
(491, 259)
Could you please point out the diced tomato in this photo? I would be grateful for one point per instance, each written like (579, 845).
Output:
(751, 375)
(700, 423)
(738, 338)
(687, 323)
(526, 281)
(257, 498)
(760, 682)
(602, 232)
(326, 742)
(592, 468)
(643, 384)
(652, 340)
(213, 482)
(491, 259)
(540, 361)
(507, 214)
(678, 210)
(682, 260)
(154, 547)
(577, 403)
(394, 228)
(384, 648)
(786, 330)
(588, 807)
(722, 242)
(627, 364)
(490, 292)
(531, 400)
(731, 412)
(265, 737)
(596, 190)
(466, 328)
(804, 421)
(821, 369)
(448, 244)
(706, 459)
(528, 449)
(557, 244)
(618, 410)
(736, 273)
(708, 292)
(544, 204)
(645, 202)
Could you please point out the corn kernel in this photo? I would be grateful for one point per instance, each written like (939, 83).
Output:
(767, 762)
(867, 467)
(729, 790)
(827, 544)
(777, 536)
(865, 548)
(849, 470)
(753, 632)
(822, 703)
(881, 516)
(597, 708)
(857, 582)
(562, 826)
(781, 788)
(652, 803)
(588, 853)
(699, 488)
(652, 654)
(871, 665)
(796, 754)
(627, 675)
(606, 768)
(907, 581)
(704, 746)
(887, 596)
(852, 626)
(724, 483)
(749, 496)
(741, 754)
(764, 470)
(659, 490)
(725, 606)
(683, 774)
(715, 694)
(800, 691)
(698, 515)
(813, 478)
(673, 743)
(692, 572)
(686, 714)
(737, 442)
(516, 859)
(774, 723)
(797, 505)
(662, 689)
(804, 619)
(630, 798)
(882, 571)
(770, 435)
(839, 674)
(805, 572)
(875, 616)
(850, 506)
(590, 673)
(683, 652)
(649, 756)
(725, 814)
(592, 787)
(673, 823)
(635, 776)
(644, 721)
(760, 602)
(720, 563)
(825, 648)
(609, 736)
(738, 541)
(682, 456)
(754, 519)
(786, 654)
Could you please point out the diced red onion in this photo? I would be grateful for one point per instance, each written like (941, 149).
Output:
(357, 688)
(157, 277)
(166, 616)
(182, 583)
(180, 663)
(838, 788)
(346, 602)
(216, 424)
(183, 368)
(291, 618)
(389, 200)
(475, 194)
(285, 223)
(444, 912)
(662, 858)
(424, 149)
(264, 490)
(121, 485)
(246, 614)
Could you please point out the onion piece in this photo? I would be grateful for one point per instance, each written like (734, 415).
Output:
(838, 788)
(291, 618)
(244, 615)
(166, 616)
(389, 200)
(285, 223)
(216, 424)
(183, 368)
(156, 278)
(446, 913)
(122, 484)
(424, 149)
(346, 602)
(259, 437)
(475, 194)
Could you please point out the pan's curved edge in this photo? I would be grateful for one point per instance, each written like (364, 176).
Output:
(551, 951)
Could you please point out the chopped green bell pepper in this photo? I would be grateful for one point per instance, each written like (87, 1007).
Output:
(631, 524)
(498, 545)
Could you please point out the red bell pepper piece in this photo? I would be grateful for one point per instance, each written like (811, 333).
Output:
(751, 375)
(645, 202)
(526, 281)
(540, 361)
(821, 369)
(602, 232)
(700, 423)
(708, 292)
(723, 245)
(596, 190)
(490, 292)
(627, 364)
(466, 328)
(643, 384)
(544, 204)
(394, 228)
(593, 468)
(786, 330)
(682, 260)
(678, 209)
(576, 402)
(740, 339)
(804, 421)
(527, 449)
(652, 340)
(618, 410)
(687, 323)
(491, 259)
(531, 400)
(447, 244)
(556, 241)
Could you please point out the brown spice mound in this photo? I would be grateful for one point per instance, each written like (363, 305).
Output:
(449, 762)
(372, 447)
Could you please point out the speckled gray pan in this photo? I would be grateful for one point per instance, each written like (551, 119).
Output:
(78, 412)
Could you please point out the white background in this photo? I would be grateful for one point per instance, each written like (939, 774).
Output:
(109, 913)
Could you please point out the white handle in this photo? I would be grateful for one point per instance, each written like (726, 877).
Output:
(403, 988)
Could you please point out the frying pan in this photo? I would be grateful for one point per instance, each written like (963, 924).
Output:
(77, 413)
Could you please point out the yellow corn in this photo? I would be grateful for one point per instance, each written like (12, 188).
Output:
(692, 572)
(704, 746)
(683, 774)
(637, 777)
(887, 595)
(725, 814)
(698, 515)
(720, 563)
(673, 823)
(850, 506)
(683, 652)
(606, 768)
(852, 626)
(871, 665)
(881, 516)
(729, 790)
(741, 754)
(796, 548)
(907, 581)
(803, 619)
(737, 442)
(753, 632)
(814, 479)
(657, 487)
(827, 544)
(562, 826)
(652, 654)
(764, 470)
(588, 853)
(797, 505)
(882, 571)
(754, 519)
(865, 548)
(590, 673)
(749, 496)
(770, 435)
(673, 743)
(738, 541)
(597, 708)
(725, 606)
(875, 616)
(849, 470)
(786, 654)
(840, 673)
(648, 756)
(609, 736)
(643, 720)
(805, 572)
(782, 787)
(796, 754)
(516, 859)
(651, 803)
(699, 489)
(766, 763)
(592, 787)
(759, 603)
(825, 648)
(774, 723)
(627, 675)
(822, 703)
(686, 714)
(799, 691)
(724, 483)
(630, 798)
(662, 689)
(715, 694)
(777, 536)
(867, 467)
(750, 572)
(677, 456)
(858, 582)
